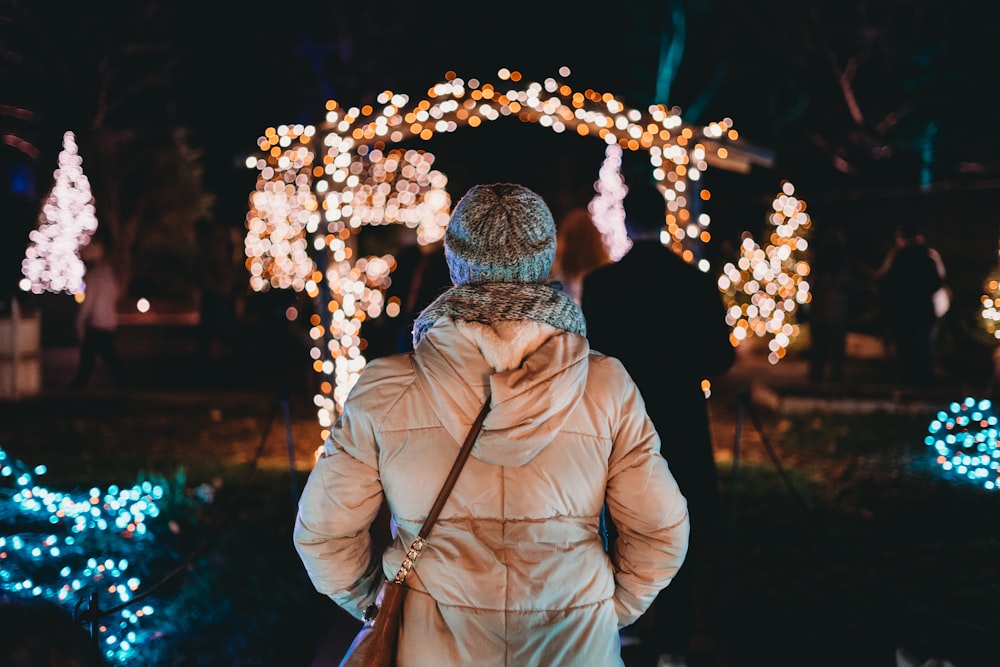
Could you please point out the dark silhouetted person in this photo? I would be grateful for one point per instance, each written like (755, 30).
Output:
(580, 248)
(665, 320)
(830, 286)
(97, 318)
(217, 292)
(908, 278)
(421, 276)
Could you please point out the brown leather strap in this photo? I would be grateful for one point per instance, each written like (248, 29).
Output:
(456, 468)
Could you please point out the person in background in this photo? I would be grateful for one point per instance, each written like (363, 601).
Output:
(665, 320)
(420, 277)
(908, 279)
(830, 285)
(580, 249)
(515, 571)
(97, 318)
(220, 252)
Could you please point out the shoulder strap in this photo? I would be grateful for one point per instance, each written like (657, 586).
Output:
(442, 497)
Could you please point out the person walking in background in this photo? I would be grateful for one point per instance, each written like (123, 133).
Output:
(515, 571)
(580, 249)
(625, 305)
(830, 287)
(97, 318)
(908, 279)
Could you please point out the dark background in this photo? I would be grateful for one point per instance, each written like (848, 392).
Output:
(876, 111)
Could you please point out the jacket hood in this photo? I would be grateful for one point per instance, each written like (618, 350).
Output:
(530, 402)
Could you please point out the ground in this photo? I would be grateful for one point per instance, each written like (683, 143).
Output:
(844, 541)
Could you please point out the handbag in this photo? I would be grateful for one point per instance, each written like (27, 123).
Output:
(375, 644)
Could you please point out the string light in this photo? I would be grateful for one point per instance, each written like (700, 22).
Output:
(766, 286)
(282, 209)
(317, 171)
(57, 545)
(964, 440)
(67, 220)
(990, 304)
(606, 207)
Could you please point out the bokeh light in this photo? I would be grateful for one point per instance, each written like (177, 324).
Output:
(964, 440)
(765, 287)
(318, 186)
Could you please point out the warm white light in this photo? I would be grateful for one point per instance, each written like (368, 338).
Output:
(332, 181)
(765, 287)
(67, 220)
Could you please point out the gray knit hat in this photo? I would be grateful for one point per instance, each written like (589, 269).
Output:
(500, 233)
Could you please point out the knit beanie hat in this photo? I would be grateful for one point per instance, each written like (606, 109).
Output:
(500, 245)
(500, 233)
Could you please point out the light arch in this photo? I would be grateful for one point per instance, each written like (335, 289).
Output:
(312, 172)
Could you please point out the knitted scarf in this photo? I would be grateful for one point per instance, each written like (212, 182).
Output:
(488, 303)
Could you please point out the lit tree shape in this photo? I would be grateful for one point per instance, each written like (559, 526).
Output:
(52, 260)
(606, 206)
(990, 303)
(766, 286)
(61, 546)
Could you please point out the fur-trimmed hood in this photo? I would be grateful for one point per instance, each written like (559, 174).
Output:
(534, 372)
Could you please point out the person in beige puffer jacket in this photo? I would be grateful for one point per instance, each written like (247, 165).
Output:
(515, 572)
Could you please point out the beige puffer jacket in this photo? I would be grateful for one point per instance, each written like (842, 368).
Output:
(514, 572)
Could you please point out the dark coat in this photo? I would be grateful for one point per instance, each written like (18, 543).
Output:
(664, 319)
(909, 280)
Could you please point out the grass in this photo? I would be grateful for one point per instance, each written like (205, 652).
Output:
(843, 543)
(862, 547)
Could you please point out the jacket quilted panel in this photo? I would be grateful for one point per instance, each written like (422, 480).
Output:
(514, 572)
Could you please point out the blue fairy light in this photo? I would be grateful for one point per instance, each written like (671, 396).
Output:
(59, 550)
(964, 439)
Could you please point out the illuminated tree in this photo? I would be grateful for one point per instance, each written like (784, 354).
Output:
(990, 301)
(765, 287)
(118, 89)
(67, 221)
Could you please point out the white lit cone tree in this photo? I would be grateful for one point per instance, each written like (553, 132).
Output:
(67, 220)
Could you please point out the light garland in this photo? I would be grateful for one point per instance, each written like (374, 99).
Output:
(766, 286)
(56, 545)
(282, 211)
(606, 207)
(380, 187)
(329, 169)
(67, 220)
(964, 440)
(990, 304)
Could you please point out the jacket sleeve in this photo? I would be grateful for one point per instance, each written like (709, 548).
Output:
(339, 502)
(648, 510)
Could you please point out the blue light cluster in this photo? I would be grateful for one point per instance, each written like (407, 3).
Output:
(58, 546)
(964, 439)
